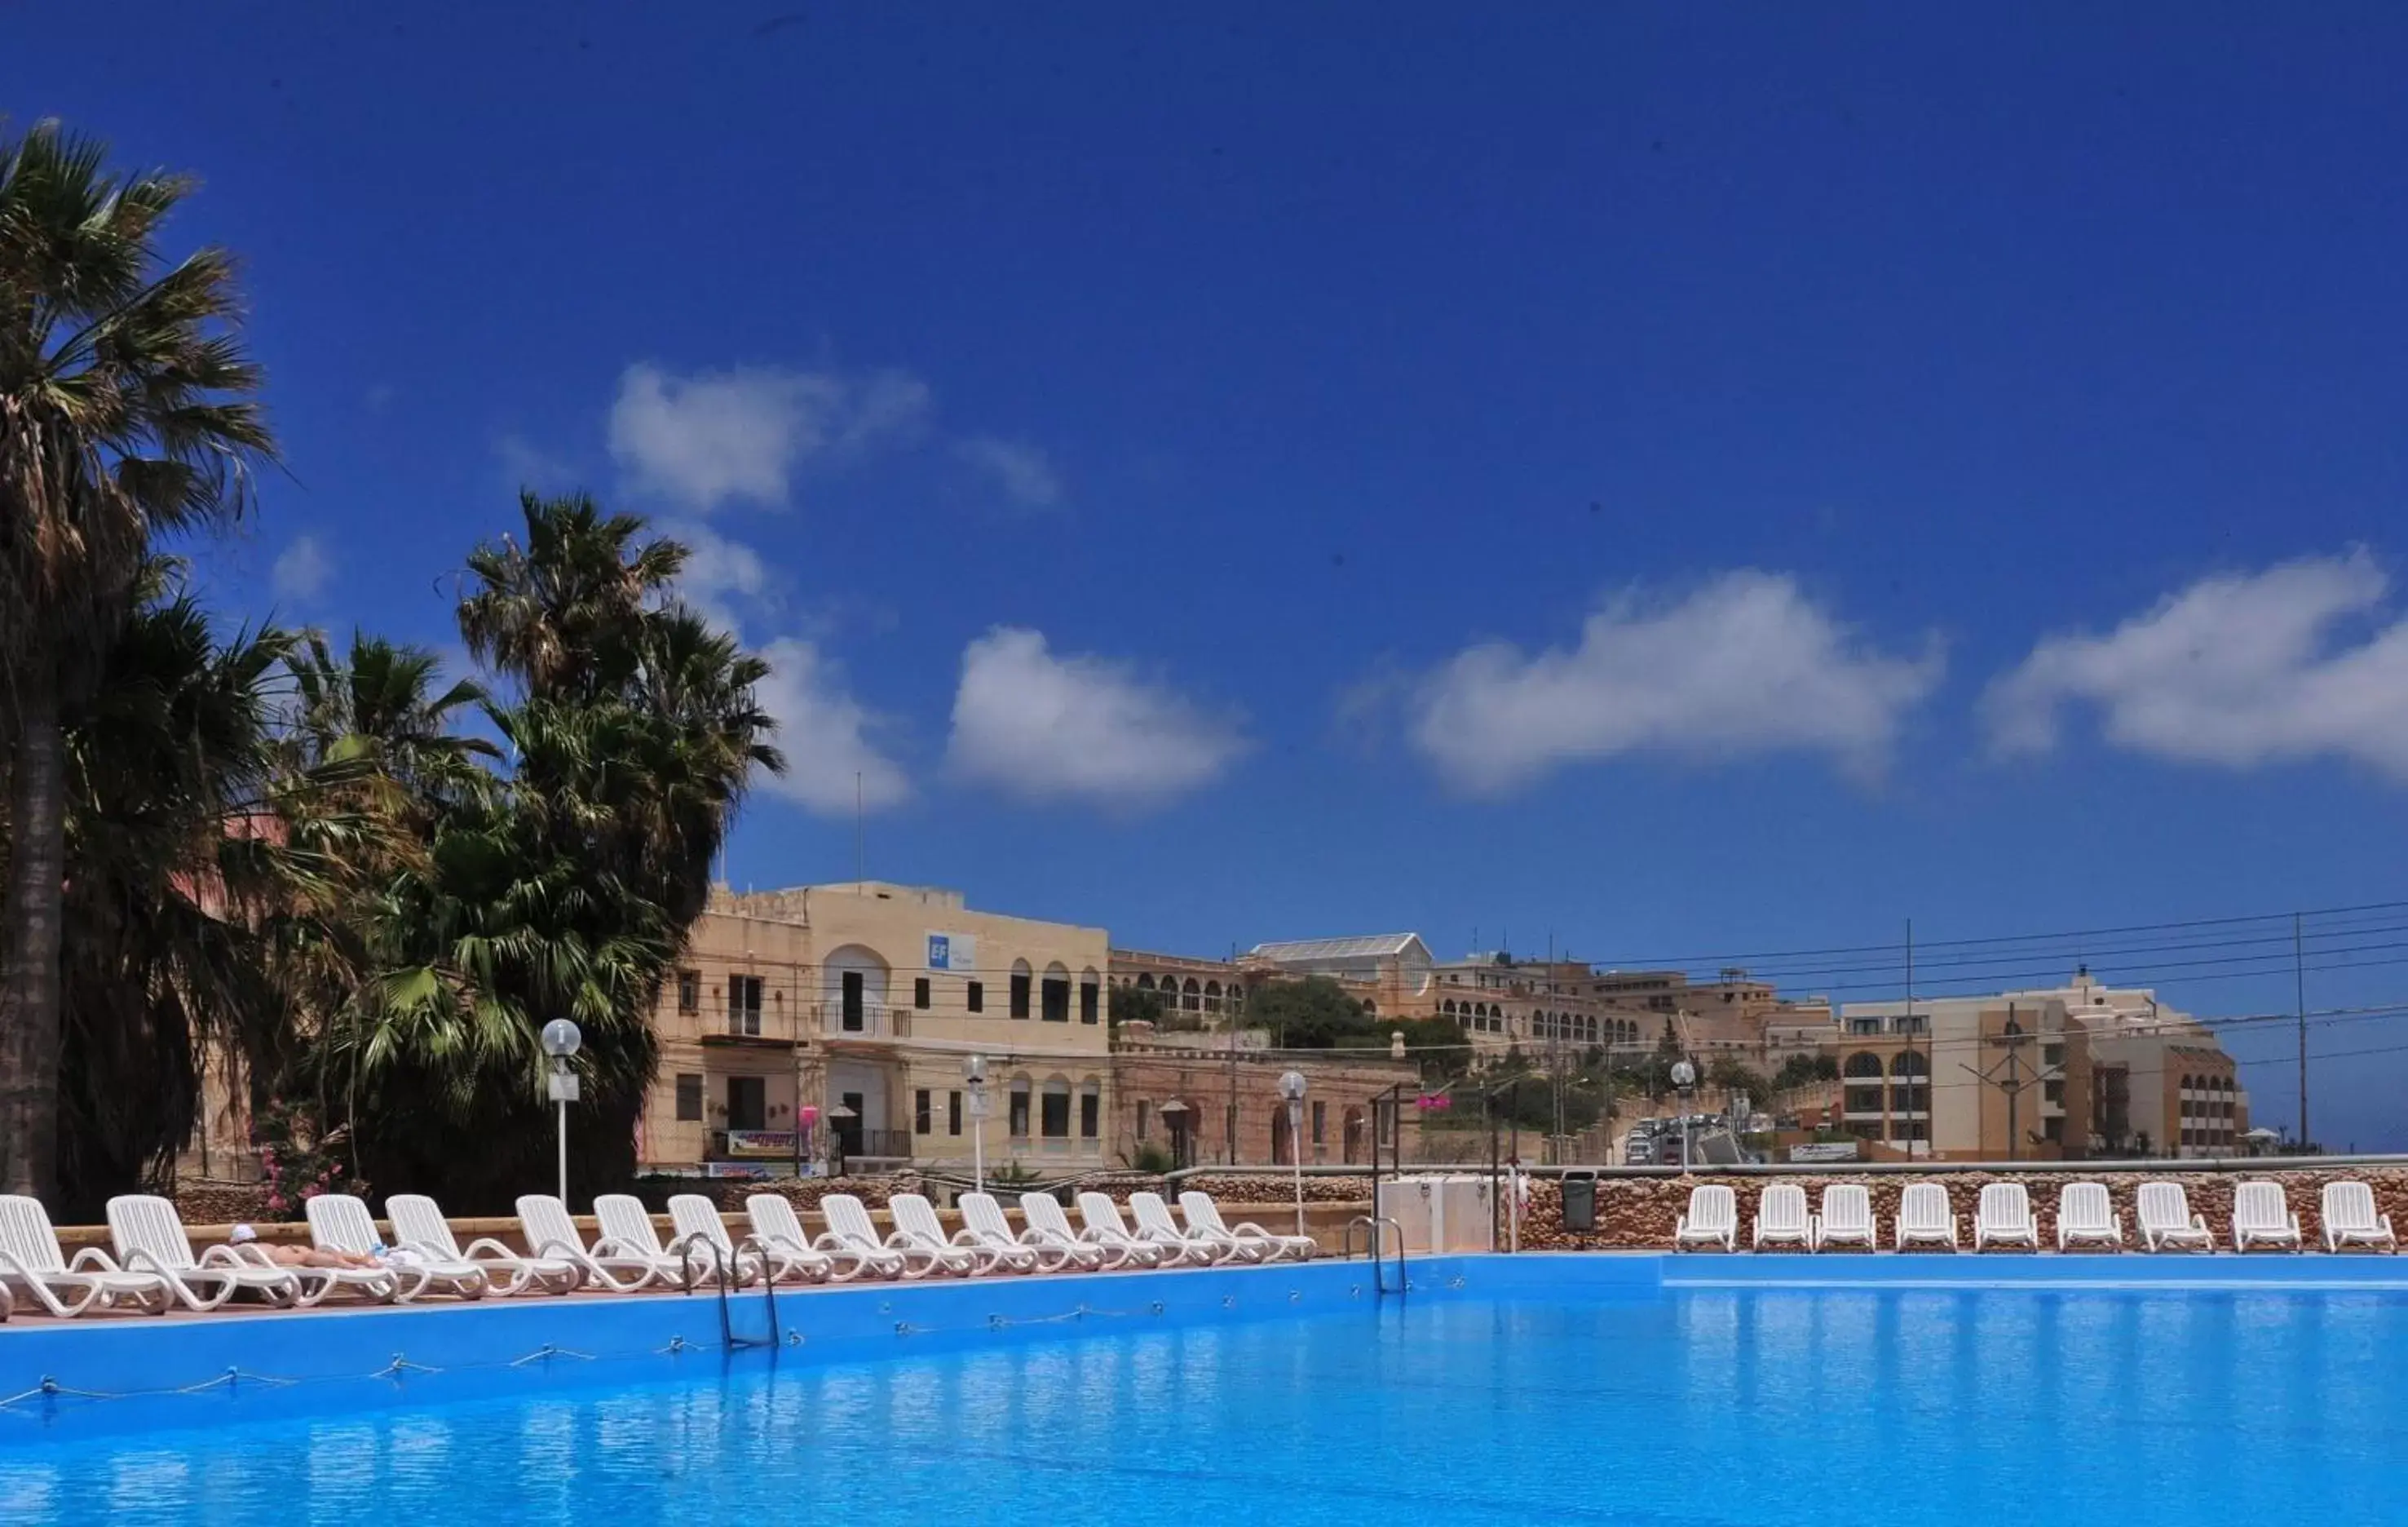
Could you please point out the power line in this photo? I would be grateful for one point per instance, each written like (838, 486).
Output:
(1687, 962)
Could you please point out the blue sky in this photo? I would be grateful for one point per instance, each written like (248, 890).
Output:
(1675, 482)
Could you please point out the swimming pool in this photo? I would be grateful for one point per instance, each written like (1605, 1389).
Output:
(1688, 1406)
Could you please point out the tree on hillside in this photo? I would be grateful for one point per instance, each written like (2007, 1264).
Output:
(1133, 1004)
(1733, 1074)
(1804, 1070)
(125, 415)
(1311, 1013)
(1438, 1046)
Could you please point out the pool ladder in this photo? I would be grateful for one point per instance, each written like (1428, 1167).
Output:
(1375, 1242)
(724, 1276)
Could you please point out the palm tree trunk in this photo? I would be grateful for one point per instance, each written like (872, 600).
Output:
(29, 980)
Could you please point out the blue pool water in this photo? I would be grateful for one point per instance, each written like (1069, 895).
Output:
(1796, 1408)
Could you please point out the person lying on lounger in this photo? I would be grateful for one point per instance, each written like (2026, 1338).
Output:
(301, 1256)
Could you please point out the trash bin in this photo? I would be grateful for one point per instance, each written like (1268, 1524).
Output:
(1580, 1203)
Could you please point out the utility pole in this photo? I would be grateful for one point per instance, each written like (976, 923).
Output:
(2300, 992)
(1230, 1021)
(2015, 1081)
(1927, 1119)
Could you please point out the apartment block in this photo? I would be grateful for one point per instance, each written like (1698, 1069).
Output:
(842, 1017)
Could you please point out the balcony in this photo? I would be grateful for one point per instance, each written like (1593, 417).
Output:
(863, 1020)
(881, 1145)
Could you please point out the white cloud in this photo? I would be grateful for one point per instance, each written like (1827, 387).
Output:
(718, 437)
(824, 733)
(303, 570)
(527, 465)
(1023, 471)
(724, 577)
(1051, 728)
(2237, 670)
(1745, 665)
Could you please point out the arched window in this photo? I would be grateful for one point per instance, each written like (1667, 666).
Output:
(1145, 983)
(1190, 997)
(1211, 996)
(854, 995)
(1862, 1063)
(1053, 995)
(1022, 979)
(1910, 1091)
(1447, 1007)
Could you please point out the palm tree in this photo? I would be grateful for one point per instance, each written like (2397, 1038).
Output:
(126, 413)
(565, 612)
(178, 865)
(561, 887)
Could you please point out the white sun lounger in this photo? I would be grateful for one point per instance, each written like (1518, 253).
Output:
(340, 1222)
(2167, 1223)
(418, 1223)
(849, 1223)
(1044, 1212)
(695, 1220)
(916, 1224)
(777, 1228)
(1782, 1219)
(2003, 1216)
(1925, 1217)
(2350, 1218)
(1156, 1223)
(624, 1228)
(984, 1223)
(1100, 1218)
(32, 1261)
(1713, 1219)
(151, 1238)
(549, 1232)
(2262, 1217)
(1203, 1217)
(2086, 1216)
(1846, 1217)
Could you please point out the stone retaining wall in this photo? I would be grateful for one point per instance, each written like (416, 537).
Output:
(1640, 1214)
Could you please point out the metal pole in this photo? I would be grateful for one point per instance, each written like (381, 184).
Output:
(1928, 1121)
(1295, 1155)
(564, 1152)
(2300, 990)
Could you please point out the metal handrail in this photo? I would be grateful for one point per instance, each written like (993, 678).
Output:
(720, 1263)
(1377, 1247)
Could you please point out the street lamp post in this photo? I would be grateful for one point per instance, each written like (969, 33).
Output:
(1684, 1077)
(1174, 1119)
(974, 1073)
(561, 1041)
(1291, 1086)
(836, 1116)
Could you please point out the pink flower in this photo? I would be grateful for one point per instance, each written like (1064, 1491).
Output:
(276, 1201)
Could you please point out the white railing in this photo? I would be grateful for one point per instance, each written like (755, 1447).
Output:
(864, 1020)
